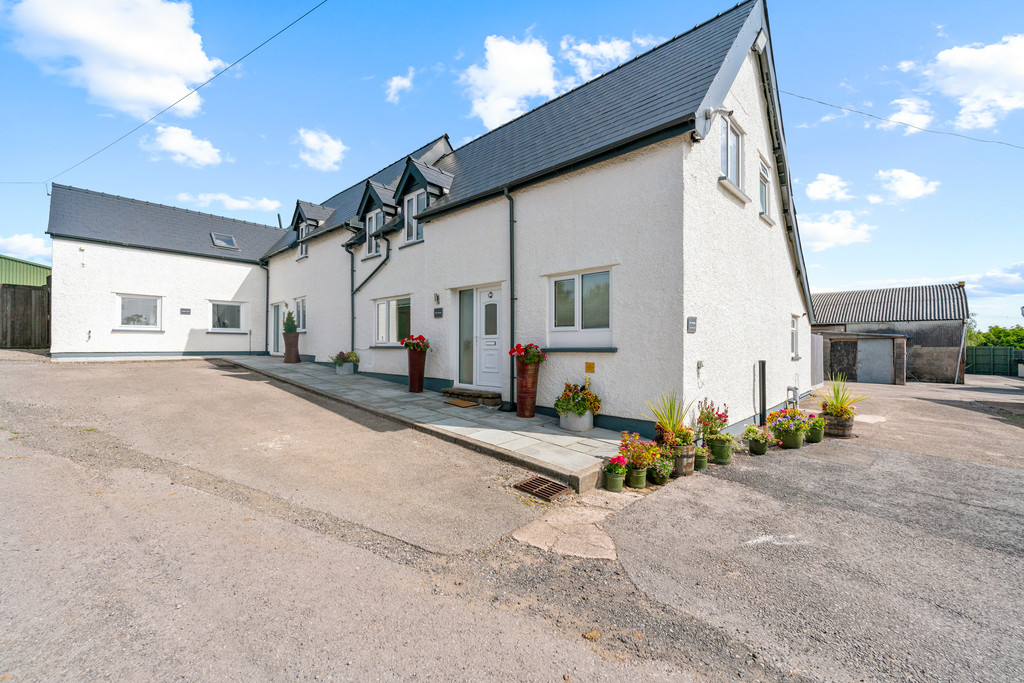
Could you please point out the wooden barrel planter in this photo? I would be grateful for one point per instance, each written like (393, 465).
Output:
(840, 427)
(684, 460)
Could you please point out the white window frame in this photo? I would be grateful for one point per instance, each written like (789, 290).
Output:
(373, 223)
(390, 317)
(227, 330)
(303, 246)
(765, 188)
(577, 335)
(794, 337)
(413, 228)
(300, 314)
(158, 327)
(733, 175)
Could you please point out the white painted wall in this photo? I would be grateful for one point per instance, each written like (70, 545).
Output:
(740, 280)
(86, 309)
(323, 279)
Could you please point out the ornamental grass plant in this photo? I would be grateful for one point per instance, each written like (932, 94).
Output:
(837, 400)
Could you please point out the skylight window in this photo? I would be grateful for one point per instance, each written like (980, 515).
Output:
(223, 241)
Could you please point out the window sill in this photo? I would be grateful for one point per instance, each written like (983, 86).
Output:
(411, 244)
(227, 332)
(581, 349)
(736, 192)
(387, 346)
(796, 358)
(763, 216)
(367, 258)
(142, 330)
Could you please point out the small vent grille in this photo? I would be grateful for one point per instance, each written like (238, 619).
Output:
(542, 488)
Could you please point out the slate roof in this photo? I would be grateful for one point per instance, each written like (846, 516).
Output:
(434, 175)
(315, 212)
(659, 90)
(895, 304)
(97, 217)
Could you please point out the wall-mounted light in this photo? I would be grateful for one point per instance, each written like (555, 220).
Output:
(761, 41)
(437, 299)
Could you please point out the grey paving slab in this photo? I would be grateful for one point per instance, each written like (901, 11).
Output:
(558, 455)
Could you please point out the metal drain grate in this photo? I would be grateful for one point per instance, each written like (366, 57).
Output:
(545, 489)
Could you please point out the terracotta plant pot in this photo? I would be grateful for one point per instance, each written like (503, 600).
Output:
(792, 440)
(684, 460)
(526, 388)
(758, 447)
(814, 435)
(291, 347)
(841, 427)
(417, 363)
(613, 482)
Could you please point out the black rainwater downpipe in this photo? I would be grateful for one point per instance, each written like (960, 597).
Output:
(351, 295)
(510, 405)
(387, 257)
(266, 314)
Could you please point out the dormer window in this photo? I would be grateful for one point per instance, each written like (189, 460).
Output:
(414, 203)
(223, 241)
(374, 220)
(304, 230)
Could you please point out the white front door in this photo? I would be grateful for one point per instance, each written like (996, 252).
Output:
(488, 338)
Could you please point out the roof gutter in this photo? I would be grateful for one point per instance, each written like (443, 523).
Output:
(91, 240)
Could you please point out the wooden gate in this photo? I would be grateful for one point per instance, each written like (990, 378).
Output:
(24, 317)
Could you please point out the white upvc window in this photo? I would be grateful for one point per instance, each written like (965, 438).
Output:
(732, 148)
(794, 337)
(300, 314)
(374, 220)
(581, 307)
(225, 316)
(393, 320)
(303, 246)
(414, 203)
(139, 312)
(765, 185)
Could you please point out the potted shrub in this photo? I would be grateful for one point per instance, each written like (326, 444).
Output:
(615, 473)
(815, 429)
(417, 348)
(639, 455)
(291, 339)
(758, 439)
(669, 416)
(345, 363)
(700, 458)
(711, 421)
(837, 407)
(528, 360)
(576, 407)
(661, 469)
(788, 426)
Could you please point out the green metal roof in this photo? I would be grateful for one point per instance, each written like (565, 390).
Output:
(14, 271)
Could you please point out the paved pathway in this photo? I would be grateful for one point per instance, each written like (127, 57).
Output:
(536, 443)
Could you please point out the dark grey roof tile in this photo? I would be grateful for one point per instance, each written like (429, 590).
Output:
(894, 304)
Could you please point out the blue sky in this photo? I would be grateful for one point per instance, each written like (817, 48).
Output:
(356, 86)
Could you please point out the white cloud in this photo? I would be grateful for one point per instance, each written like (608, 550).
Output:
(230, 203)
(836, 229)
(650, 40)
(182, 146)
(906, 184)
(915, 111)
(986, 80)
(832, 116)
(940, 30)
(874, 199)
(321, 152)
(906, 65)
(26, 246)
(135, 56)
(1007, 281)
(591, 59)
(828, 186)
(398, 84)
(513, 72)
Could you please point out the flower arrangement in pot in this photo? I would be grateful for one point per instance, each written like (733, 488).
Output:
(345, 362)
(639, 455)
(661, 469)
(837, 407)
(577, 406)
(788, 426)
(417, 346)
(758, 439)
(711, 421)
(615, 473)
(291, 339)
(528, 360)
(815, 429)
(669, 416)
(700, 458)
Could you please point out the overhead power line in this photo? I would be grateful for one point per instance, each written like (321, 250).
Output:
(900, 123)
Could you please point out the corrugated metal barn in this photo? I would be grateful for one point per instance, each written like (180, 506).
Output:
(14, 271)
(932, 318)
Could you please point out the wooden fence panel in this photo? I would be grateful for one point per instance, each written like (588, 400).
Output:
(24, 317)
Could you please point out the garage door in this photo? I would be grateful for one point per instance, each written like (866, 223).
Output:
(874, 361)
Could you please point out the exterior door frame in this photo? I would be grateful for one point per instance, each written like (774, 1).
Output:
(487, 343)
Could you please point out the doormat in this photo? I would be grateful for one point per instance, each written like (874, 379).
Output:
(545, 489)
(460, 403)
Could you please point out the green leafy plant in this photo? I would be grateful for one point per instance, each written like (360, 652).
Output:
(289, 323)
(760, 434)
(530, 353)
(837, 400)
(639, 454)
(720, 438)
(616, 465)
(577, 399)
(670, 417)
(815, 422)
(663, 466)
(345, 357)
